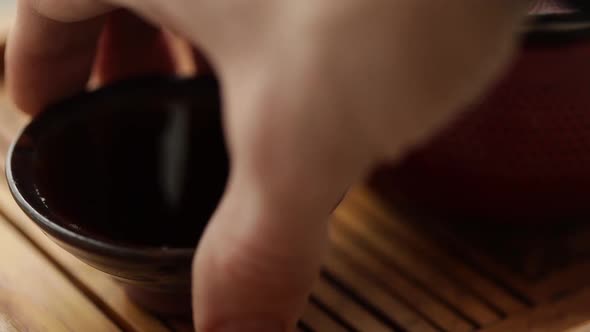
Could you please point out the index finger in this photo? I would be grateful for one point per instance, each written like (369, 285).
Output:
(47, 59)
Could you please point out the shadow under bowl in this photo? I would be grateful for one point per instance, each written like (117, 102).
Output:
(126, 178)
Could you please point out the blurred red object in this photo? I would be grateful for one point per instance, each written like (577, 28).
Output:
(523, 152)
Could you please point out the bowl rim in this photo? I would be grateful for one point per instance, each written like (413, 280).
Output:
(557, 22)
(70, 237)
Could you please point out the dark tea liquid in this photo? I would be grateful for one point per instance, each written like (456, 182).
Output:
(145, 172)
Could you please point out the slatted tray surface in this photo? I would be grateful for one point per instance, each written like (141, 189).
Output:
(385, 272)
(416, 275)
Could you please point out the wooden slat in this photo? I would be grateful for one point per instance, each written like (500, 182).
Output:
(19, 314)
(471, 307)
(538, 292)
(35, 296)
(373, 210)
(319, 321)
(564, 279)
(489, 266)
(399, 286)
(351, 311)
(553, 317)
(378, 297)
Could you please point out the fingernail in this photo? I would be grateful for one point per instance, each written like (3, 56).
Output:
(252, 326)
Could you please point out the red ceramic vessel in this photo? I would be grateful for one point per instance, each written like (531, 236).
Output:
(523, 152)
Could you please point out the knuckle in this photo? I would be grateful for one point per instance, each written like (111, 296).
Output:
(67, 11)
(261, 270)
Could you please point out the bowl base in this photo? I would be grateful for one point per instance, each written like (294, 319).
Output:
(162, 303)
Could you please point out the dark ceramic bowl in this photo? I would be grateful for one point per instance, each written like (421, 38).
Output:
(126, 178)
(522, 154)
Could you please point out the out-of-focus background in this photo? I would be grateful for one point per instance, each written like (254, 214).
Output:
(7, 12)
(389, 268)
(7, 9)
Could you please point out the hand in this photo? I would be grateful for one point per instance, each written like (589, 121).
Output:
(315, 93)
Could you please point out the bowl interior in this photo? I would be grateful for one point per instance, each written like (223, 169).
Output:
(137, 164)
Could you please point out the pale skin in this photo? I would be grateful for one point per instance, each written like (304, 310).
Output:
(316, 93)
